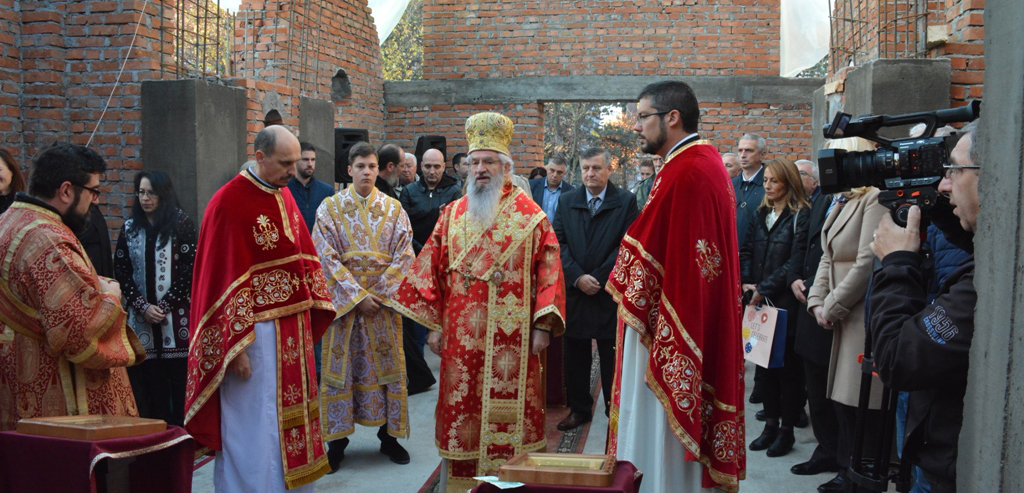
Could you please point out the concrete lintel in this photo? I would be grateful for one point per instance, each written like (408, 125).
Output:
(710, 89)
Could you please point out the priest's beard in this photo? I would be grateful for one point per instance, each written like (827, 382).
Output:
(654, 145)
(392, 179)
(77, 223)
(482, 201)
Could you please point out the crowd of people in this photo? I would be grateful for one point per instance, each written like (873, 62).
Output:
(298, 310)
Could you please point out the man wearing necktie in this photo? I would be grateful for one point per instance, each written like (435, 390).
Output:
(590, 223)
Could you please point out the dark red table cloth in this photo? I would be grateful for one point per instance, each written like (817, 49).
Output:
(627, 480)
(162, 462)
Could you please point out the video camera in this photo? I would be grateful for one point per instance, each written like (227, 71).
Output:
(908, 170)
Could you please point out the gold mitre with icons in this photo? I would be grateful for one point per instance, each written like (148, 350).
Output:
(489, 132)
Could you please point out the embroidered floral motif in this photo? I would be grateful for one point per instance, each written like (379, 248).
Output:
(293, 395)
(273, 287)
(709, 260)
(680, 377)
(727, 441)
(267, 235)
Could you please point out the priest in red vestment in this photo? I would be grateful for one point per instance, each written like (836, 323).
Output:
(259, 303)
(63, 338)
(488, 284)
(677, 399)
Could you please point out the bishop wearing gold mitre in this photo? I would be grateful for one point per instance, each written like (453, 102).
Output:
(488, 285)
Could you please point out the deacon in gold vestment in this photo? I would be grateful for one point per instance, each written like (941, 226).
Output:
(364, 240)
(488, 274)
(63, 338)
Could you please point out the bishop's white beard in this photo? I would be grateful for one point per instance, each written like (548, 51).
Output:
(482, 201)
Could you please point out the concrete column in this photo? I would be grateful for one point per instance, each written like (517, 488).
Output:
(316, 126)
(893, 87)
(992, 438)
(194, 131)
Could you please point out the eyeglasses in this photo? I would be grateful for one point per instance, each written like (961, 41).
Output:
(95, 191)
(950, 168)
(641, 117)
(145, 194)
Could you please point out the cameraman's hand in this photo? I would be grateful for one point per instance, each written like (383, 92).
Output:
(891, 238)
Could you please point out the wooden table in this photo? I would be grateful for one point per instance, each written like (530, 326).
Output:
(627, 480)
(155, 463)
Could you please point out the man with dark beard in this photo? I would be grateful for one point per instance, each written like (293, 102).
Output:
(677, 401)
(307, 191)
(392, 160)
(488, 284)
(64, 342)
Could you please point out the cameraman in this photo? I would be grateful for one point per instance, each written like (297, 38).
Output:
(924, 348)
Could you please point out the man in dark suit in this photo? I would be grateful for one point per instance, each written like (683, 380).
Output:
(590, 222)
(392, 160)
(813, 343)
(547, 190)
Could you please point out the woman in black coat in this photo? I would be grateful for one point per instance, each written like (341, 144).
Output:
(775, 245)
(155, 254)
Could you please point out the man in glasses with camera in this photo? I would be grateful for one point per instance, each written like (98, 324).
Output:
(923, 348)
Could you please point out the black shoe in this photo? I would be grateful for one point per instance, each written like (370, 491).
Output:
(835, 485)
(755, 396)
(396, 452)
(814, 466)
(336, 453)
(573, 420)
(760, 415)
(782, 444)
(803, 421)
(766, 439)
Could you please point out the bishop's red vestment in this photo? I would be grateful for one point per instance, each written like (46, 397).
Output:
(485, 290)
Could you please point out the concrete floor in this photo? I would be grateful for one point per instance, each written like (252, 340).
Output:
(366, 470)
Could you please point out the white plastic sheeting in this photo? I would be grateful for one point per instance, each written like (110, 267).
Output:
(387, 13)
(805, 34)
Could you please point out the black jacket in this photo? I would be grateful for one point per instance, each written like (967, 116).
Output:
(924, 349)
(748, 198)
(590, 245)
(383, 186)
(812, 341)
(767, 258)
(424, 206)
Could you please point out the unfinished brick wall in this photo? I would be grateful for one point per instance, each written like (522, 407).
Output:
(595, 37)
(965, 48)
(961, 20)
(503, 39)
(405, 124)
(60, 60)
(301, 46)
(68, 56)
(786, 127)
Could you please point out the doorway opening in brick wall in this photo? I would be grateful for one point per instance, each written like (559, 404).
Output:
(571, 127)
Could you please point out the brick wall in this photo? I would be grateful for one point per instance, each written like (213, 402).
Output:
(284, 44)
(510, 38)
(405, 124)
(962, 20)
(501, 39)
(10, 78)
(60, 60)
(70, 54)
(965, 48)
(786, 127)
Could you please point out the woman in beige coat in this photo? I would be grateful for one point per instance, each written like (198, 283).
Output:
(837, 302)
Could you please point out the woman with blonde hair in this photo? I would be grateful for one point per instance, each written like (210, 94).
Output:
(837, 302)
(775, 245)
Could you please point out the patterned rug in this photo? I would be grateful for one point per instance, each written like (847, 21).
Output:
(562, 442)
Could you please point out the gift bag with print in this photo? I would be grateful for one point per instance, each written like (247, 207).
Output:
(764, 335)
